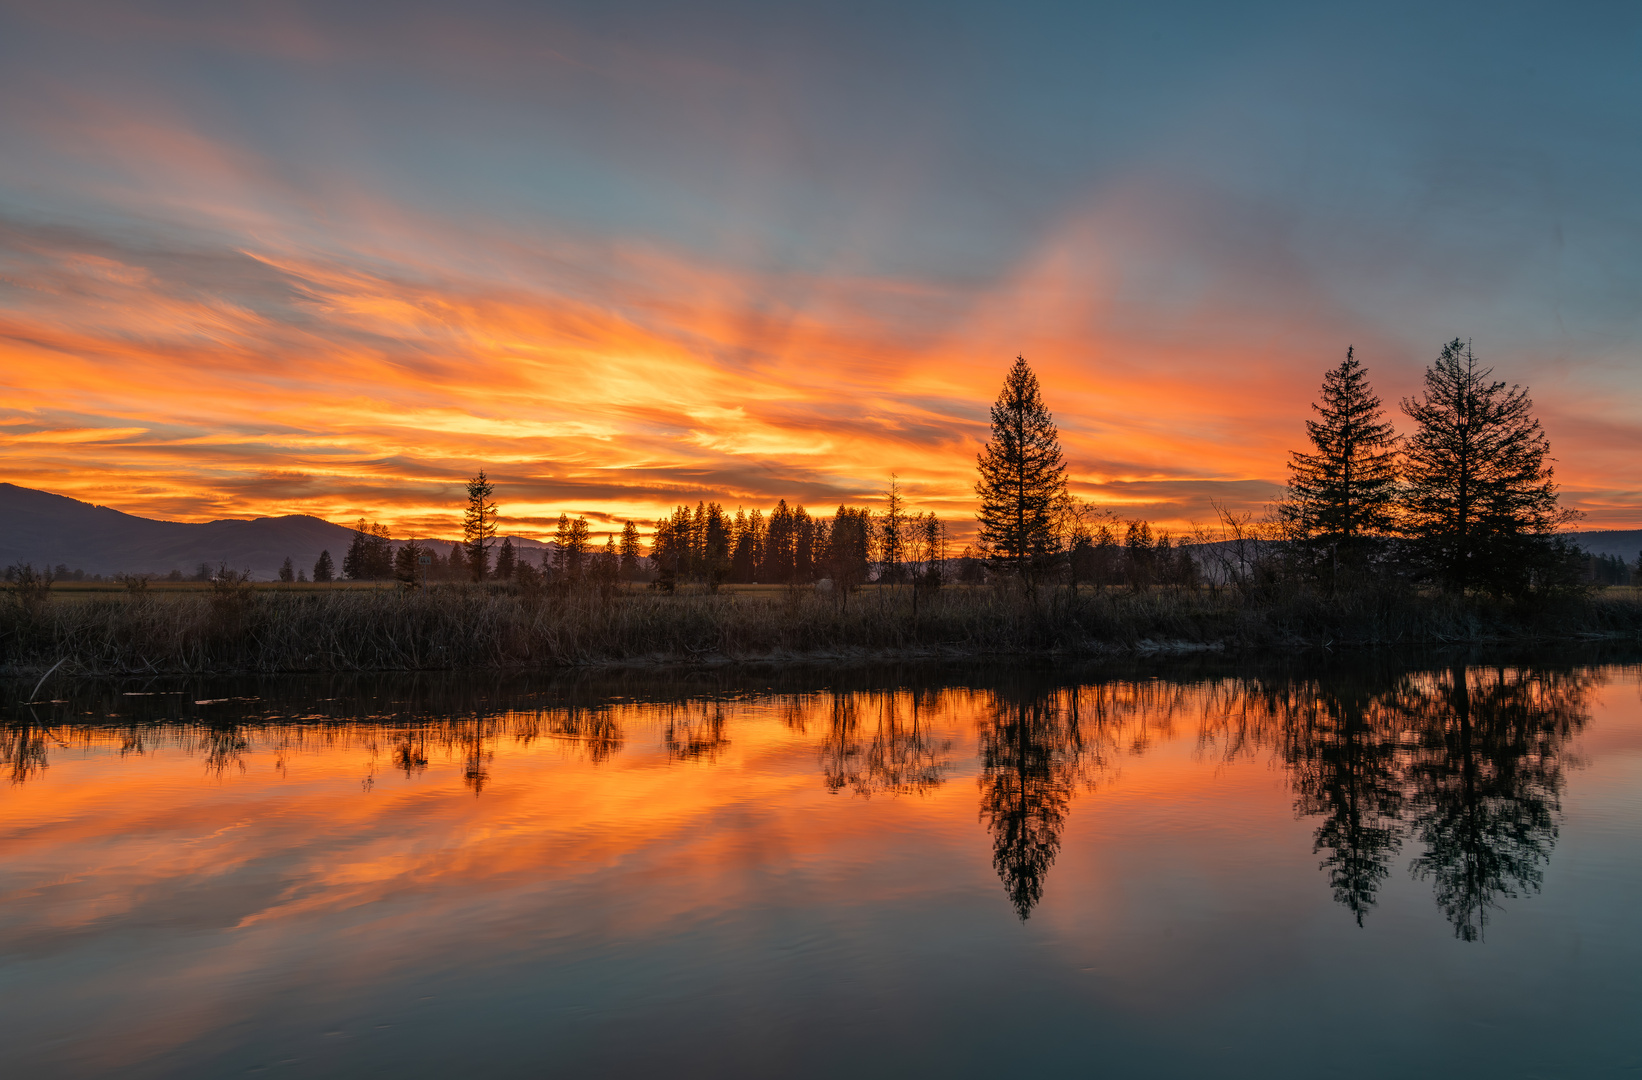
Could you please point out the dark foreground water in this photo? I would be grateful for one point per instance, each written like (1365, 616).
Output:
(1357, 867)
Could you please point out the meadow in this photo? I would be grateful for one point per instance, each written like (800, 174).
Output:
(275, 627)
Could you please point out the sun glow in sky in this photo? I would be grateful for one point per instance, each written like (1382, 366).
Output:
(332, 259)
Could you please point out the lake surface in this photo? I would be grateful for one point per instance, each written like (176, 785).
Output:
(1360, 866)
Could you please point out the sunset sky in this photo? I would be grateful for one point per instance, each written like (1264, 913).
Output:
(333, 258)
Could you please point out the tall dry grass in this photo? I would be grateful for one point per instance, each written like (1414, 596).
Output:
(467, 627)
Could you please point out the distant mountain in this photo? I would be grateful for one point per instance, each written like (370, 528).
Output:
(47, 530)
(1625, 543)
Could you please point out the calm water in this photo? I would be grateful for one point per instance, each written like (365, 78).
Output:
(1362, 868)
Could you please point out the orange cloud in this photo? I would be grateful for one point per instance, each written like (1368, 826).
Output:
(615, 380)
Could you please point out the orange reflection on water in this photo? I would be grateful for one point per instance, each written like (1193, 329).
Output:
(387, 843)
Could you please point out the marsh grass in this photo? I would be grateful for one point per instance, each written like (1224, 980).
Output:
(236, 628)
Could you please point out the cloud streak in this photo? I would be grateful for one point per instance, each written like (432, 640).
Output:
(621, 268)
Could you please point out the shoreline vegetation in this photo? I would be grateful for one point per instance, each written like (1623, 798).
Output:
(243, 630)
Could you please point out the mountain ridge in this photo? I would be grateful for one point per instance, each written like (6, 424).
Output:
(48, 529)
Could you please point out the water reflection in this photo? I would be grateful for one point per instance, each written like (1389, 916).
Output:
(1029, 757)
(1341, 746)
(876, 742)
(23, 748)
(1484, 780)
(1461, 767)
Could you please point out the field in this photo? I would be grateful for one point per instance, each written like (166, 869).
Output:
(365, 627)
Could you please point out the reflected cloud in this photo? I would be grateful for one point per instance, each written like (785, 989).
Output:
(1462, 766)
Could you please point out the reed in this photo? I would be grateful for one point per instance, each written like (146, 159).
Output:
(241, 630)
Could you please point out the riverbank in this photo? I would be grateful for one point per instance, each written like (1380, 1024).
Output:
(466, 627)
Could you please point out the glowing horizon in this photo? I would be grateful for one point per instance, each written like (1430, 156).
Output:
(622, 269)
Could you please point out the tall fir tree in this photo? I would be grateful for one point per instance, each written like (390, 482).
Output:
(715, 547)
(354, 559)
(667, 554)
(324, 567)
(778, 546)
(370, 553)
(1342, 497)
(1481, 501)
(479, 526)
(571, 541)
(632, 551)
(892, 534)
(743, 566)
(456, 563)
(407, 563)
(1022, 475)
(507, 560)
(849, 549)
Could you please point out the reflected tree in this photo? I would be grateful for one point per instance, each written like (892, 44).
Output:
(895, 753)
(476, 756)
(903, 755)
(1486, 784)
(1466, 763)
(225, 746)
(410, 753)
(596, 731)
(1029, 758)
(1343, 752)
(696, 735)
(23, 750)
(841, 747)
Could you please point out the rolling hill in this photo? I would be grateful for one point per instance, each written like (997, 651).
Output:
(47, 530)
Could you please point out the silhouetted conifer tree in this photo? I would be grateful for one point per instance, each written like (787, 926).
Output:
(457, 563)
(1138, 555)
(287, 572)
(809, 546)
(407, 563)
(849, 549)
(353, 560)
(1022, 476)
(892, 527)
(743, 563)
(1343, 495)
(666, 552)
(479, 526)
(606, 569)
(715, 547)
(571, 542)
(506, 560)
(778, 546)
(324, 568)
(1481, 503)
(632, 552)
(755, 538)
(698, 542)
(370, 553)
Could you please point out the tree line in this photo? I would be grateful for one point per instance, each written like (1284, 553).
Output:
(790, 546)
(1465, 501)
